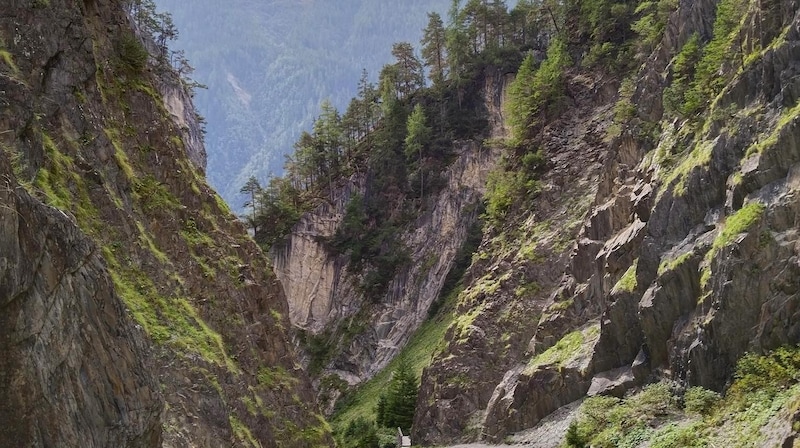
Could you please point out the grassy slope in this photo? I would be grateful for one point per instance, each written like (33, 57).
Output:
(419, 352)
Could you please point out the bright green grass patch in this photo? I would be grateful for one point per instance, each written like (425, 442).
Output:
(7, 59)
(167, 320)
(463, 322)
(627, 283)
(147, 241)
(737, 223)
(153, 196)
(276, 378)
(486, 285)
(699, 157)
(120, 156)
(569, 348)
(668, 265)
(194, 236)
(787, 116)
(734, 225)
(64, 188)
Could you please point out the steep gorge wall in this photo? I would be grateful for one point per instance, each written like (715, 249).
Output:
(74, 368)
(321, 287)
(687, 258)
(103, 199)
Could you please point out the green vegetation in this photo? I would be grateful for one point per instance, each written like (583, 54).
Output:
(671, 264)
(735, 224)
(62, 186)
(700, 401)
(132, 54)
(194, 236)
(276, 378)
(697, 70)
(609, 422)
(699, 156)
(167, 320)
(153, 196)
(627, 283)
(651, 20)
(536, 94)
(362, 403)
(763, 386)
(511, 184)
(683, 70)
(6, 58)
(395, 408)
(569, 348)
(242, 432)
(788, 116)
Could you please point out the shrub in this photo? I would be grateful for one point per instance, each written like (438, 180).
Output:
(768, 373)
(132, 54)
(698, 400)
(574, 438)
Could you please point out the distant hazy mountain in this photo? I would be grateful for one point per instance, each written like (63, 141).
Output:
(269, 64)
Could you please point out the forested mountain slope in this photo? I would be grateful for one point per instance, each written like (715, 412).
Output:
(135, 309)
(269, 65)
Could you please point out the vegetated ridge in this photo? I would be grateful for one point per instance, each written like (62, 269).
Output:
(269, 65)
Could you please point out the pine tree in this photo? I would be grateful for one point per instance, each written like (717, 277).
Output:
(520, 100)
(410, 77)
(574, 438)
(433, 48)
(402, 398)
(536, 94)
(418, 136)
(457, 43)
(253, 189)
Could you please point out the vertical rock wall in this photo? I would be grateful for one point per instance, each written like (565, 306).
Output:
(320, 286)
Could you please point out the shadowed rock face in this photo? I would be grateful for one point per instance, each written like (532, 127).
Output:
(73, 370)
(102, 199)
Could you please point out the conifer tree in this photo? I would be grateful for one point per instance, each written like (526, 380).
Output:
(252, 188)
(418, 136)
(401, 398)
(410, 77)
(520, 100)
(536, 94)
(433, 48)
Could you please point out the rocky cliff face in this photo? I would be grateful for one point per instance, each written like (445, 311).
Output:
(102, 199)
(321, 287)
(683, 257)
(74, 370)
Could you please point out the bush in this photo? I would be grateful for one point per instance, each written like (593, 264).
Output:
(132, 54)
(698, 400)
(504, 189)
(768, 373)
(574, 438)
